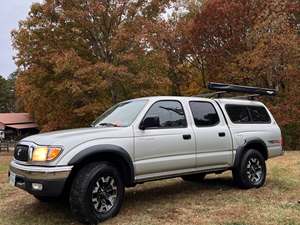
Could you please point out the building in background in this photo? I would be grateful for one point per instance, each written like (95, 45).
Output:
(14, 126)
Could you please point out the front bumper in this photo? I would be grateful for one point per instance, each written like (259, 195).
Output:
(52, 179)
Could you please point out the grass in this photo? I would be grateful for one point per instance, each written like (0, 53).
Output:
(216, 201)
(236, 223)
(3, 168)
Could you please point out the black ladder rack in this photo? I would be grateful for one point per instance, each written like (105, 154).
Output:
(232, 88)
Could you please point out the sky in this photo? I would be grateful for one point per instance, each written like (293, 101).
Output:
(11, 12)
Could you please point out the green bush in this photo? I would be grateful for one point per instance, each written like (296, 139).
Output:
(291, 134)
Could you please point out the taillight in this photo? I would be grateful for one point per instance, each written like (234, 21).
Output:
(282, 141)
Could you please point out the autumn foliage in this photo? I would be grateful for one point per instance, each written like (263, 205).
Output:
(76, 58)
(253, 43)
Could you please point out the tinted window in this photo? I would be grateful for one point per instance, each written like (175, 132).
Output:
(259, 114)
(238, 113)
(169, 113)
(204, 114)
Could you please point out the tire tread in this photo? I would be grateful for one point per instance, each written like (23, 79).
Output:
(78, 203)
(238, 171)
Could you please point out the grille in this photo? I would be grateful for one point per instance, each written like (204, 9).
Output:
(21, 153)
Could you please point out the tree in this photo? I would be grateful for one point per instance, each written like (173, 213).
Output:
(219, 32)
(166, 39)
(250, 42)
(3, 94)
(170, 37)
(78, 57)
(7, 94)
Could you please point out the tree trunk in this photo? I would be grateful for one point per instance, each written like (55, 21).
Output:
(113, 95)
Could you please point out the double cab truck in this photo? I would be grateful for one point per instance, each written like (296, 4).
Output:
(147, 139)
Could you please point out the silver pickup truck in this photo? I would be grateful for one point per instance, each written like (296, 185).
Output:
(147, 139)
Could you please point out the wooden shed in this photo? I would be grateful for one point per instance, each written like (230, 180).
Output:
(17, 125)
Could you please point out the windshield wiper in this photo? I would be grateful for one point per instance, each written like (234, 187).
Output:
(109, 125)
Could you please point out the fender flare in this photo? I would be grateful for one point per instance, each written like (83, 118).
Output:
(241, 149)
(106, 149)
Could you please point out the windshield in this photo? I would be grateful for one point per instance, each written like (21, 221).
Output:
(120, 115)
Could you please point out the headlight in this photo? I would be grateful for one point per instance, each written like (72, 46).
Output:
(45, 153)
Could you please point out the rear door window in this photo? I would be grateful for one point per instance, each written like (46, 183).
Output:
(204, 114)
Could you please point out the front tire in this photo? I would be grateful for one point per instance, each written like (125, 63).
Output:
(97, 193)
(252, 171)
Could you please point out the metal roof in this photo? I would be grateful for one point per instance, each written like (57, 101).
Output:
(15, 118)
(23, 126)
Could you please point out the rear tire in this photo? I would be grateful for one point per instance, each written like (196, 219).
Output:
(252, 171)
(194, 177)
(97, 193)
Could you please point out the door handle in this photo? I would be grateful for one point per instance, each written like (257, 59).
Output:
(222, 134)
(187, 136)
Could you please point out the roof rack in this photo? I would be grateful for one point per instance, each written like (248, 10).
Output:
(231, 88)
(219, 94)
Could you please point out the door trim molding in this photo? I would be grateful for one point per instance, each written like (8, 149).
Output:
(178, 173)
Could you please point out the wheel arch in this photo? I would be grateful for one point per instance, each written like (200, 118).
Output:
(108, 153)
(253, 143)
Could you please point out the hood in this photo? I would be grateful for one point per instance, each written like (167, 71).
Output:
(73, 137)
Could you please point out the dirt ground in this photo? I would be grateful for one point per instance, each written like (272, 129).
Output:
(215, 201)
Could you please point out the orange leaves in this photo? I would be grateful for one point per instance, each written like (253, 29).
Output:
(253, 43)
(76, 58)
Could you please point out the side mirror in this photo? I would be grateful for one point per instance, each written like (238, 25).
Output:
(150, 122)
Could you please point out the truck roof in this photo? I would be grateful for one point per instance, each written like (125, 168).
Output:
(220, 100)
(238, 101)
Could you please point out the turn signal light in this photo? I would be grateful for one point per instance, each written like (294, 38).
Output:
(45, 153)
(53, 153)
